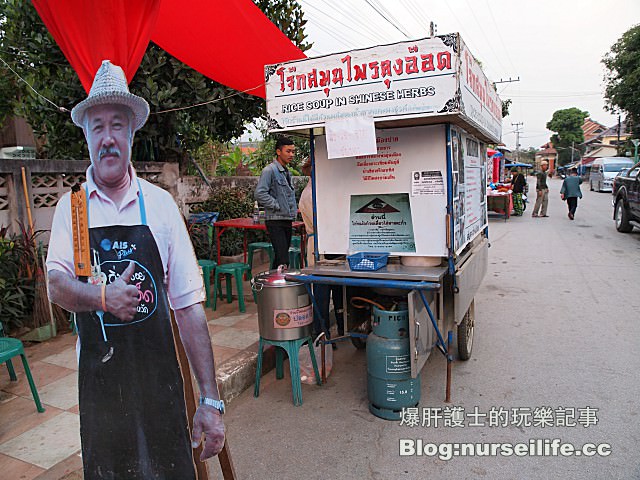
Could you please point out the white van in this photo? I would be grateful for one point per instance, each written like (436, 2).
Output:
(604, 170)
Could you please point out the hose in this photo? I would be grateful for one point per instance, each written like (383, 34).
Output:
(366, 300)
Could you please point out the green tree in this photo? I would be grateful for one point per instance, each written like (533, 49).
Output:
(622, 79)
(529, 155)
(505, 107)
(567, 124)
(266, 152)
(162, 80)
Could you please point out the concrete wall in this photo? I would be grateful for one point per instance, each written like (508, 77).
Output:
(48, 180)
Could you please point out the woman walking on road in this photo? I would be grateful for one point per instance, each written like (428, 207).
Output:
(517, 188)
(570, 191)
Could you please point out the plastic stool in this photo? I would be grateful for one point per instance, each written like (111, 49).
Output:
(208, 267)
(252, 247)
(292, 347)
(10, 348)
(294, 257)
(236, 270)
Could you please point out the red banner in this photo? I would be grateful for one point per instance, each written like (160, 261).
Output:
(88, 32)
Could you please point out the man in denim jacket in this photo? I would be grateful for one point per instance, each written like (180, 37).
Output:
(276, 194)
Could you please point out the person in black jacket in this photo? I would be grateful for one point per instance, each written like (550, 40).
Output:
(518, 183)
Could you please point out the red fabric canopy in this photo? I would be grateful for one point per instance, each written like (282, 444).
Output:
(229, 41)
(88, 32)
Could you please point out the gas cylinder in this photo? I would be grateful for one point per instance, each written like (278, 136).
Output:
(390, 387)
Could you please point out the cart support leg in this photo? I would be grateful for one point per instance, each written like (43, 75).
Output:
(322, 356)
(449, 365)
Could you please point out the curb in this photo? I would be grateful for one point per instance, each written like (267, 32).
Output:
(239, 372)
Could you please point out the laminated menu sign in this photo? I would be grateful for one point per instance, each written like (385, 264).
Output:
(381, 223)
(469, 188)
(350, 137)
(293, 317)
(427, 182)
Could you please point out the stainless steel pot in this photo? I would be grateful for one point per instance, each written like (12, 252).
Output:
(284, 307)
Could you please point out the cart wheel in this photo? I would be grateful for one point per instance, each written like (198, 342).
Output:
(358, 342)
(465, 333)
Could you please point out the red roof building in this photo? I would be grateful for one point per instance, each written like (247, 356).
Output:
(549, 154)
(592, 129)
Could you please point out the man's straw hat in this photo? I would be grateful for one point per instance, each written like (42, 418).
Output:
(110, 88)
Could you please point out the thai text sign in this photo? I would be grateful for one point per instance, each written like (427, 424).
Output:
(481, 104)
(418, 78)
(409, 78)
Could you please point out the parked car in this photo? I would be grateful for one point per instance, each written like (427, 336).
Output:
(626, 199)
(622, 172)
(604, 170)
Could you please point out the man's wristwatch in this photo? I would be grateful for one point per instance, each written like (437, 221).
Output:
(217, 404)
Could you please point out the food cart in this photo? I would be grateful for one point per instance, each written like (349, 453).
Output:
(398, 147)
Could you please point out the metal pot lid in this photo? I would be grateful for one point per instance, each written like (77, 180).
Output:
(276, 278)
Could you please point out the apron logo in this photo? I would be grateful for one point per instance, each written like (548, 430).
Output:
(105, 244)
(122, 249)
(141, 279)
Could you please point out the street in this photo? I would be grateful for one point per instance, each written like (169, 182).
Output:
(556, 326)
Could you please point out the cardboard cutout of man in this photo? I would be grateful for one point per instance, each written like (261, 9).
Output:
(132, 413)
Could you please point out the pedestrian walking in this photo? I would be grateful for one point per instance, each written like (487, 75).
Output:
(276, 194)
(518, 183)
(542, 192)
(570, 191)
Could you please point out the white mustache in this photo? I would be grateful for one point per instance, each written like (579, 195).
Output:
(108, 151)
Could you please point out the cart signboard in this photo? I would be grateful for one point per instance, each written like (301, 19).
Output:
(469, 187)
(396, 200)
(364, 203)
(381, 223)
(434, 79)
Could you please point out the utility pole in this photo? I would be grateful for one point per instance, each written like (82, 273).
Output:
(518, 125)
(507, 81)
(432, 29)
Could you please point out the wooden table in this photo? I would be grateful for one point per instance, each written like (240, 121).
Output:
(246, 223)
(500, 203)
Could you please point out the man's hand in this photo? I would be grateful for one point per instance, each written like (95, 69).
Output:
(208, 421)
(122, 298)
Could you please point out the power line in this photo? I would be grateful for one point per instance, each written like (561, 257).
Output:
(484, 34)
(333, 18)
(506, 50)
(415, 13)
(215, 100)
(386, 18)
(60, 109)
(395, 20)
(422, 16)
(333, 33)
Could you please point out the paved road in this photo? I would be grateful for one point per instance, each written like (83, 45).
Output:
(557, 326)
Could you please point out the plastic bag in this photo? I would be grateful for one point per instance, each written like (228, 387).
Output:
(307, 375)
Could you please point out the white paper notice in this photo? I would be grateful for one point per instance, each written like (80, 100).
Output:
(427, 182)
(349, 137)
